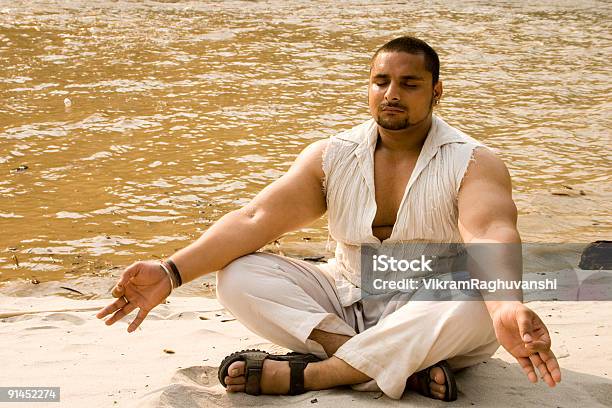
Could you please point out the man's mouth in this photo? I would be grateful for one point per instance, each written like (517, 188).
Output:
(392, 109)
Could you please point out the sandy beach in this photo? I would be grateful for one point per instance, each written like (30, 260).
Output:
(172, 360)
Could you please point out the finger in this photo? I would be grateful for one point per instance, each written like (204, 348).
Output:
(552, 364)
(528, 369)
(142, 314)
(523, 320)
(544, 374)
(129, 273)
(112, 308)
(125, 310)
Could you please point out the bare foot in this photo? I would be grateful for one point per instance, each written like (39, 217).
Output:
(436, 385)
(274, 377)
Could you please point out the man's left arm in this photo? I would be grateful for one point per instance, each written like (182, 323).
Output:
(487, 222)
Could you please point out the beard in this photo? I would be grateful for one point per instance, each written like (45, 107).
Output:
(395, 123)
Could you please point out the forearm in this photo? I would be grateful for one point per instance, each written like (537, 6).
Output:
(235, 234)
(496, 254)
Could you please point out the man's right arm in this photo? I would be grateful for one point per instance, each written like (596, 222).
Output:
(293, 201)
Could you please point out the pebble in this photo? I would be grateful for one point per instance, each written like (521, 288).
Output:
(67, 102)
(21, 168)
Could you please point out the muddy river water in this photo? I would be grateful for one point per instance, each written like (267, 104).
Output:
(128, 127)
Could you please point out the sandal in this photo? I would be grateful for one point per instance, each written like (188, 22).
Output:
(254, 360)
(423, 379)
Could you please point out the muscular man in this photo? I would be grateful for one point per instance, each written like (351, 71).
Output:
(403, 176)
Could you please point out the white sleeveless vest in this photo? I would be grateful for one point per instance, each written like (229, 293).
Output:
(428, 210)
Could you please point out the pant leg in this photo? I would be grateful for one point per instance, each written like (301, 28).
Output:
(416, 336)
(283, 300)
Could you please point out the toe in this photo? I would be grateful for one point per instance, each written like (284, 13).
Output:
(437, 375)
(435, 387)
(236, 369)
(235, 380)
(437, 382)
(235, 388)
(438, 395)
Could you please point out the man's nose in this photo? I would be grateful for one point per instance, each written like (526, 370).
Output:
(392, 93)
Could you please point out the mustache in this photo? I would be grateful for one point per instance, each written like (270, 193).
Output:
(392, 105)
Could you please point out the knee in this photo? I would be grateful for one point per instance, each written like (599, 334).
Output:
(233, 280)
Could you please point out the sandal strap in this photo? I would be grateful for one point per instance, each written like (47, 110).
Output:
(296, 380)
(252, 371)
(423, 379)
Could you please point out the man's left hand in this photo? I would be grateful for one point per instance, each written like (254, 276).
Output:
(521, 331)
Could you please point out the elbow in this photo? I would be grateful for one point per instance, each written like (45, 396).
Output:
(501, 232)
(252, 216)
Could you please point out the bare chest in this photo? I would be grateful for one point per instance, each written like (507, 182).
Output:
(390, 181)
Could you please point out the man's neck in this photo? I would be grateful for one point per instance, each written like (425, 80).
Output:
(404, 141)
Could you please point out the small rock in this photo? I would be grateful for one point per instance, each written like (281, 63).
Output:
(568, 191)
(67, 102)
(313, 258)
(596, 255)
(314, 401)
(35, 281)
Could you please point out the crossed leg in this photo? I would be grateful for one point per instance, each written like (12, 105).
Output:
(326, 374)
(275, 298)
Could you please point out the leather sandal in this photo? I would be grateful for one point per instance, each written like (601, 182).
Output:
(424, 378)
(254, 360)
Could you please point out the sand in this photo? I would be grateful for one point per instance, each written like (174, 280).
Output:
(172, 360)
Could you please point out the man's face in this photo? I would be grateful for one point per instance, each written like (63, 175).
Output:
(400, 93)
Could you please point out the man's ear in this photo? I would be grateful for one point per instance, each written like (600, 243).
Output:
(437, 90)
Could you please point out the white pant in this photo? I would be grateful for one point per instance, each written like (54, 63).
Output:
(283, 300)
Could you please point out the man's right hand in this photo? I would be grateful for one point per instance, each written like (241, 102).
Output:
(142, 285)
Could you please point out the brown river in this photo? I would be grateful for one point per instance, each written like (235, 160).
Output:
(128, 127)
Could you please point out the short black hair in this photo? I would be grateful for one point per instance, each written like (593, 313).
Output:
(413, 45)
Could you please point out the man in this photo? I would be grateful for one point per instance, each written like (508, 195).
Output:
(403, 176)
